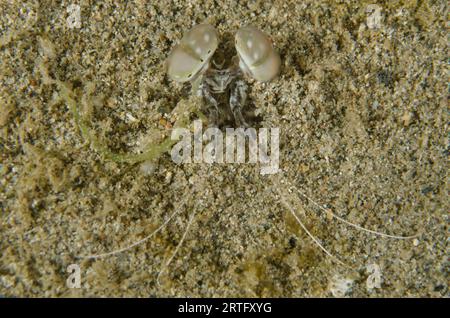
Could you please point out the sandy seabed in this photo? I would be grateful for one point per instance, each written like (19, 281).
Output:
(361, 102)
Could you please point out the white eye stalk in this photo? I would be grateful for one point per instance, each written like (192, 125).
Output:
(257, 57)
(191, 56)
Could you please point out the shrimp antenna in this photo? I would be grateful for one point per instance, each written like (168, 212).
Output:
(315, 240)
(329, 212)
(164, 267)
(126, 248)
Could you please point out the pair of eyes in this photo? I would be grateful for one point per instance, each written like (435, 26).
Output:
(198, 45)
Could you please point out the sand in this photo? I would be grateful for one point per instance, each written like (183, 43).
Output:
(362, 107)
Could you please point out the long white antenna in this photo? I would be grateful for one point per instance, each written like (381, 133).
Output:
(328, 211)
(95, 256)
(176, 248)
(289, 207)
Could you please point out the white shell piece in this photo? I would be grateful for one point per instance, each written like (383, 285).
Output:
(257, 56)
(193, 53)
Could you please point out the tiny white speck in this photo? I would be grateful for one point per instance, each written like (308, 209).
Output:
(148, 168)
(249, 44)
(206, 37)
(198, 50)
(130, 117)
(256, 55)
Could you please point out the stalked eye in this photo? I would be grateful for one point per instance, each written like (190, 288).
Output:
(193, 52)
(257, 56)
